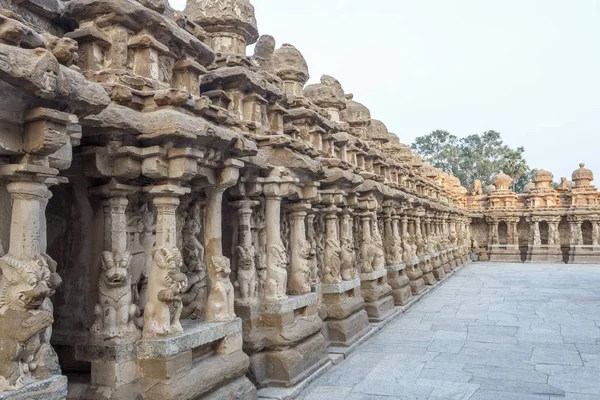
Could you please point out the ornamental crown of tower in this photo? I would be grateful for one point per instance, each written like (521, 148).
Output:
(355, 112)
(329, 93)
(582, 176)
(501, 181)
(231, 24)
(542, 176)
(289, 64)
(377, 131)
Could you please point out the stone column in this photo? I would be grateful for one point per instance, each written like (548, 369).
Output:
(245, 252)
(114, 324)
(537, 240)
(32, 315)
(366, 246)
(276, 284)
(162, 313)
(390, 239)
(347, 256)
(515, 235)
(311, 237)
(220, 303)
(299, 282)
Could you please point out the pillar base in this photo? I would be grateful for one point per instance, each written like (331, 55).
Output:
(505, 253)
(582, 254)
(545, 253)
(425, 266)
(347, 321)
(400, 283)
(414, 273)
(379, 303)
(284, 341)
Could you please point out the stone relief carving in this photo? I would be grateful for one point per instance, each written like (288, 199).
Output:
(332, 262)
(319, 243)
(166, 284)
(300, 277)
(311, 235)
(275, 287)
(377, 244)
(247, 282)
(260, 238)
(115, 312)
(25, 317)
(221, 298)
(194, 267)
(347, 254)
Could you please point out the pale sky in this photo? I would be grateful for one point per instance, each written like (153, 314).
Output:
(526, 68)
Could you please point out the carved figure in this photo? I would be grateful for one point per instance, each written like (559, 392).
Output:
(24, 288)
(276, 273)
(332, 267)
(347, 258)
(409, 252)
(114, 314)
(219, 307)
(300, 277)
(367, 255)
(166, 283)
(246, 275)
(378, 253)
(194, 268)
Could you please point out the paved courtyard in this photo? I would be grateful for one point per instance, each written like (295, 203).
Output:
(491, 331)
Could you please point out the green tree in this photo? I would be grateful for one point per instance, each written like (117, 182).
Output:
(474, 157)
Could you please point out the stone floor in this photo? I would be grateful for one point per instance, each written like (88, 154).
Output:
(491, 331)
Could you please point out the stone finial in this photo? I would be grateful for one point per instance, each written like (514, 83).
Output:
(542, 179)
(231, 24)
(529, 187)
(289, 64)
(582, 176)
(327, 94)
(355, 112)
(501, 181)
(377, 131)
(264, 49)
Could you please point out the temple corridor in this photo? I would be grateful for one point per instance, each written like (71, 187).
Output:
(491, 331)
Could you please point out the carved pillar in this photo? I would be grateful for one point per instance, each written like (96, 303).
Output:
(115, 312)
(311, 237)
(25, 227)
(366, 247)
(166, 220)
(537, 240)
(245, 252)
(29, 278)
(347, 255)
(162, 312)
(276, 256)
(299, 282)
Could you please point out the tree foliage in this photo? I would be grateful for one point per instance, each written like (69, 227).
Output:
(474, 157)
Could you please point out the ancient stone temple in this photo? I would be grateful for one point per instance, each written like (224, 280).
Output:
(186, 221)
(542, 224)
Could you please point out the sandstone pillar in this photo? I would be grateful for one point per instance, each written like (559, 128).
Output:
(27, 323)
(411, 260)
(299, 282)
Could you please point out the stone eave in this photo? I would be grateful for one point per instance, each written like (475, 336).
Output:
(136, 17)
(242, 79)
